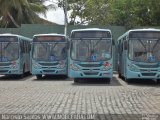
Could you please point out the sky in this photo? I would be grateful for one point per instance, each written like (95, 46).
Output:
(56, 16)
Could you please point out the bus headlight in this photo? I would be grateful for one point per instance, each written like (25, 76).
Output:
(133, 68)
(74, 67)
(61, 64)
(14, 66)
(36, 66)
(107, 66)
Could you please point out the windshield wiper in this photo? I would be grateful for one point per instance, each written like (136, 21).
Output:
(155, 44)
(43, 45)
(97, 43)
(7, 45)
(85, 44)
(54, 46)
(143, 44)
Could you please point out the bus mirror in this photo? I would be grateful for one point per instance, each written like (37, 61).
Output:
(125, 45)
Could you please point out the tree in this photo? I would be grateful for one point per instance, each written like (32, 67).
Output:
(129, 13)
(15, 12)
(88, 11)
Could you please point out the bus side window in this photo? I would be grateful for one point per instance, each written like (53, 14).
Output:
(29, 46)
(25, 49)
(120, 46)
(125, 45)
(22, 45)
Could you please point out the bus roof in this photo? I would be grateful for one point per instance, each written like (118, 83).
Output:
(145, 29)
(49, 34)
(91, 29)
(15, 35)
(132, 30)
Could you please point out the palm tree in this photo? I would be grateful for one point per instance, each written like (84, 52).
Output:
(15, 12)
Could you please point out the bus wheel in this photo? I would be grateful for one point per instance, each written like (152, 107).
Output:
(109, 80)
(22, 75)
(76, 80)
(119, 75)
(158, 81)
(39, 76)
(127, 80)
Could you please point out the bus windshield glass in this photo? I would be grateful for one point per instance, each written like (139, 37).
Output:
(144, 50)
(91, 50)
(53, 51)
(9, 48)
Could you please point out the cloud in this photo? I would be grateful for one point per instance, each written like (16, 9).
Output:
(56, 16)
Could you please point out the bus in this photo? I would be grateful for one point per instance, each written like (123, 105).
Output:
(14, 54)
(49, 55)
(90, 54)
(139, 54)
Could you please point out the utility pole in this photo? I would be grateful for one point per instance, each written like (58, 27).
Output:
(65, 16)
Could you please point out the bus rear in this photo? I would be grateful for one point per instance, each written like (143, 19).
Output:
(49, 55)
(90, 54)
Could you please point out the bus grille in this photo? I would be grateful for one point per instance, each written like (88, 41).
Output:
(5, 64)
(3, 71)
(49, 71)
(91, 73)
(90, 65)
(148, 66)
(148, 74)
(49, 64)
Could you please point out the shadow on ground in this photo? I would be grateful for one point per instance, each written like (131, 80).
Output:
(143, 82)
(53, 78)
(15, 77)
(98, 81)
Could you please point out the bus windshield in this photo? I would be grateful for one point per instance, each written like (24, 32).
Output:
(9, 51)
(91, 50)
(144, 50)
(52, 51)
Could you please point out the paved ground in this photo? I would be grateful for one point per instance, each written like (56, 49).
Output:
(60, 95)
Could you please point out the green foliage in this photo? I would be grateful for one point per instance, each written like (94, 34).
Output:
(87, 12)
(15, 12)
(129, 13)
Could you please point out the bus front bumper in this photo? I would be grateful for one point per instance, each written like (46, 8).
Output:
(10, 72)
(142, 75)
(49, 71)
(90, 74)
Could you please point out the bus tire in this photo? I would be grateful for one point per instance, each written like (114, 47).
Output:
(109, 80)
(119, 75)
(22, 75)
(39, 76)
(76, 80)
(127, 80)
(158, 81)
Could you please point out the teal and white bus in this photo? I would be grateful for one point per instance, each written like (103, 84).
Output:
(139, 54)
(49, 55)
(14, 54)
(90, 54)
